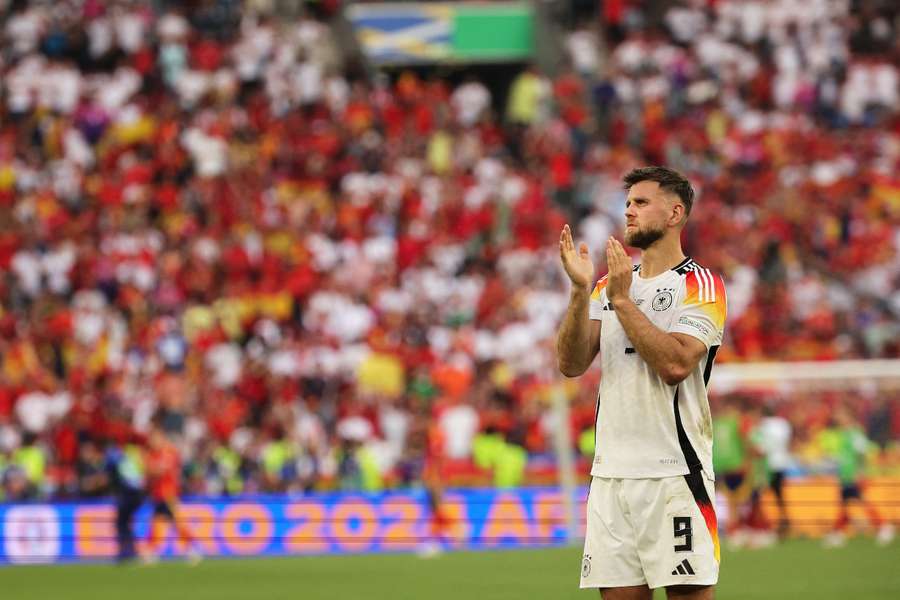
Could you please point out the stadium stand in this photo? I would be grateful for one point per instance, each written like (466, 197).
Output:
(317, 278)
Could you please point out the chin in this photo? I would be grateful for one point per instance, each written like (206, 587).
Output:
(637, 238)
(633, 239)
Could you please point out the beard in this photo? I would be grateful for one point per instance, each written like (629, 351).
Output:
(643, 238)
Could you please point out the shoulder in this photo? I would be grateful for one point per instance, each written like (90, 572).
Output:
(702, 285)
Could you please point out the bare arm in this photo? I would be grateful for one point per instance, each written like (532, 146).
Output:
(672, 355)
(578, 340)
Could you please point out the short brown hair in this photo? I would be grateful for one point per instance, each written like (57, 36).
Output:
(668, 179)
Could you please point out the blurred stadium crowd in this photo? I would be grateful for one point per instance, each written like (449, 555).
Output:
(319, 279)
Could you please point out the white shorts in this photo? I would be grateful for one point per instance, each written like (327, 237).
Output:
(656, 531)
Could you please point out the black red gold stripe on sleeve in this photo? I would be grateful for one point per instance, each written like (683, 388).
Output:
(707, 290)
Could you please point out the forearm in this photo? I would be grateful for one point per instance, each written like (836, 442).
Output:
(664, 353)
(573, 340)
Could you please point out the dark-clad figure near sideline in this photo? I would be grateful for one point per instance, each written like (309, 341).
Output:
(127, 484)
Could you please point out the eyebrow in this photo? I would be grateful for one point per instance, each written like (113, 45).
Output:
(645, 199)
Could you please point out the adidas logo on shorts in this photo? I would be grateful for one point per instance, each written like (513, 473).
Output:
(586, 566)
(684, 569)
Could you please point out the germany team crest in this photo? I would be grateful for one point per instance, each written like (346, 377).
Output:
(662, 301)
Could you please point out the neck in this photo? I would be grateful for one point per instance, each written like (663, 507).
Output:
(661, 256)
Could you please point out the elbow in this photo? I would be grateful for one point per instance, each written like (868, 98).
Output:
(568, 369)
(674, 374)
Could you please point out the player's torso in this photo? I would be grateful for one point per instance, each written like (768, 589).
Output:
(656, 298)
(636, 433)
(645, 427)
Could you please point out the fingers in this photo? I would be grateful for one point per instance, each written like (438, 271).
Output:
(616, 249)
(563, 242)
(567, 244)
(626, 259)
(616, 257)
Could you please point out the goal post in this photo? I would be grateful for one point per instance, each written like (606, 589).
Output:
(882, 374)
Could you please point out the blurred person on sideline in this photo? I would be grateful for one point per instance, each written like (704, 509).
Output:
(845, 442)
(772, 438)
(423, 467)
(26, 474)
(126, 479)
(163, 465)
(662, 323)
(93, 479)
(758, 526)
(731, 465)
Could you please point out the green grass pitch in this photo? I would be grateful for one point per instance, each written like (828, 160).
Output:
(798, 570)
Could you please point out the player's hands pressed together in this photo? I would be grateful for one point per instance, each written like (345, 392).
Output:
(618, 284)
(578, 264)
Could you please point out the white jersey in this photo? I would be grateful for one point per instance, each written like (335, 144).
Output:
(645, 427)
(773, 438)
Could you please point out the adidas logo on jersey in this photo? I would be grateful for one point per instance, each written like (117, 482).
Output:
(684, 569)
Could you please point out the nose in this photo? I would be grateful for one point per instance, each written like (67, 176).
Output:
(630, 211)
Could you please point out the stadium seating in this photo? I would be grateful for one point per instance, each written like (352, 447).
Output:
(310, 274)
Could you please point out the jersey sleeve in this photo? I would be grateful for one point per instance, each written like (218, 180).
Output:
(598, 300)
(703, 308)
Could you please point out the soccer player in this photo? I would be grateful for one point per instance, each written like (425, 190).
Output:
(759, 531)
(846, 443)
(650, 516)
(163, 469)
(422, 467)
(731, 463)
(772, 437)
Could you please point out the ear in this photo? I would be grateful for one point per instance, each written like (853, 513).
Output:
(679, 215)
